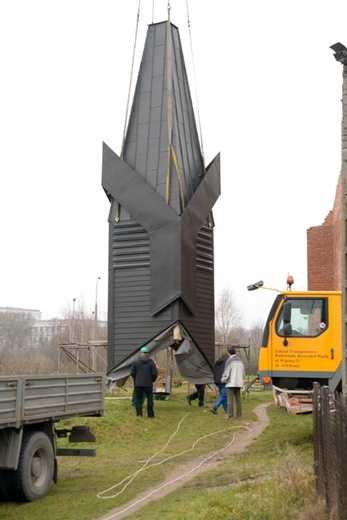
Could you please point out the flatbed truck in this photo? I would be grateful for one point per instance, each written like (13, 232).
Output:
(30, 408)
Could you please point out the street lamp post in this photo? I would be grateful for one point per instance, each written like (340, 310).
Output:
(341, 55)
(95, 324)
(96, 309)
(73, 321)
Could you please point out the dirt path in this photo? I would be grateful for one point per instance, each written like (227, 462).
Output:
(182, 474)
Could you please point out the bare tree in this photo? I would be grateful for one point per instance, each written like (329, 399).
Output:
(228, 316)
(81, 324)
(15, 336)
(29, 363)
(15, 330)
(25, 349)
(256, 336)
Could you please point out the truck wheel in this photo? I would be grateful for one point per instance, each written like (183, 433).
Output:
(5, 493)
(35, 471)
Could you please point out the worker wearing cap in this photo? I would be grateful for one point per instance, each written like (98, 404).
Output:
(144, 372)
(218, 372)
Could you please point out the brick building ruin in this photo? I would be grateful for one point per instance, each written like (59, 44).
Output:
(324, 249)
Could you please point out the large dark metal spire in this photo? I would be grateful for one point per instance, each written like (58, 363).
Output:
(161, 226)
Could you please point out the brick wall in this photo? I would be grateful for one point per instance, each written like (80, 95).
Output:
(324, 253)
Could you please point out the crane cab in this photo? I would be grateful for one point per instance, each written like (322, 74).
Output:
(302, 341)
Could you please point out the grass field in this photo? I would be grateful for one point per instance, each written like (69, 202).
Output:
(273, 479)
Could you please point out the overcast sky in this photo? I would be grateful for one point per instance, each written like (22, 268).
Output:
(267, 92)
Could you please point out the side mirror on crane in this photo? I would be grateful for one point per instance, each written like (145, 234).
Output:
(287, 326)
(287, 329)
(287, 312)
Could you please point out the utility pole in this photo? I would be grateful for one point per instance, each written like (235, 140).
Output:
(341, 56)
(96, 309)
(73, 321)
(95, 332)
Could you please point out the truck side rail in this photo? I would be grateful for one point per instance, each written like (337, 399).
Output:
(29, 399)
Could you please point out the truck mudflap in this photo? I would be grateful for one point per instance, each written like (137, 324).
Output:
(294, 401)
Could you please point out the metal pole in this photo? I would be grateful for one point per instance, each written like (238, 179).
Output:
(344, 229)
(95, 335)
(96, 310)
(169, 370)
(341, 56)
(73, 320)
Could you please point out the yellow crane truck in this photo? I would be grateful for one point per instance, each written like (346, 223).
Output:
(302, 344)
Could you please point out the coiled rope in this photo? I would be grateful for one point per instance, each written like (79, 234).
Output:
(147, 465)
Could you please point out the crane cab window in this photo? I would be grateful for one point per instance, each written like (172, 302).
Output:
(307, 317)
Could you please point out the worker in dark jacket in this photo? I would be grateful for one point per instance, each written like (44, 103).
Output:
(144, 372)
(218, 371)
(198, 394)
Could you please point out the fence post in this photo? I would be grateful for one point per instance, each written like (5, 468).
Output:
(327, 449)
(318, 459)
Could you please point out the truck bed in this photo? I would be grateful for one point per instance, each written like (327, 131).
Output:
(31, 399)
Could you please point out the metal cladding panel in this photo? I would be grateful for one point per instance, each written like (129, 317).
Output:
(204, 197)
(149, 117)
(128, 188)
(173, 250)
(201, 327)
(132, 322)
(165, 267)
